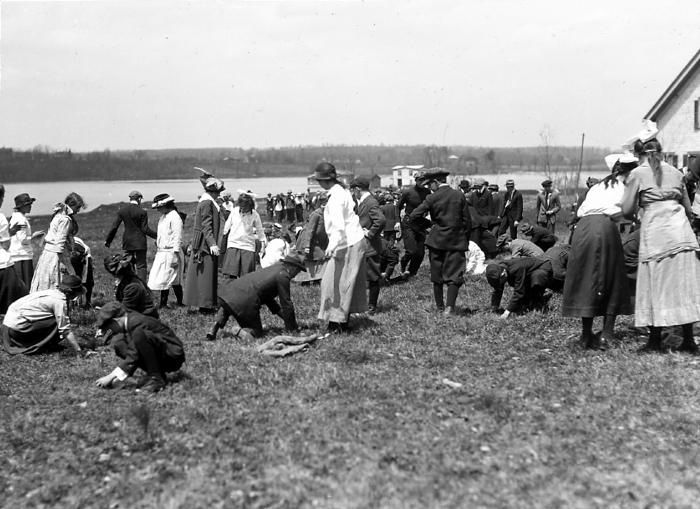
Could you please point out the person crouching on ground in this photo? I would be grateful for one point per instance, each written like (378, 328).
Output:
(130, 290)
(142, 342)
(41, 319)
(243, 298)
(529, 277)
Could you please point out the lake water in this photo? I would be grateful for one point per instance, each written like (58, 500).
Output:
(97, 193)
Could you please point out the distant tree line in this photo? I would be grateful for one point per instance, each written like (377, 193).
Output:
(45, 164)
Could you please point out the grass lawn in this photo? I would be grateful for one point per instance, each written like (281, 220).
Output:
(360, 420)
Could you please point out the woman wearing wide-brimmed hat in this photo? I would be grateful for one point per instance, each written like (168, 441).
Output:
(169, 262)
(202, 272)
(668, 268)
(58, 245)
(21, 250)
(596, 281)
(11, 286)
(344, 283)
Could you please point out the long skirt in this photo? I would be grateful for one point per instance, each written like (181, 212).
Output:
(166, 271)
(201, 282)
(344, 284)
(596, 281)
(11, 288)
(49, 271)
(40, 335)
(25, 271)
(238, 262)
(667, 291)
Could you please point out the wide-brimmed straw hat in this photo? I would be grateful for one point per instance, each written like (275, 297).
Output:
(160, 200)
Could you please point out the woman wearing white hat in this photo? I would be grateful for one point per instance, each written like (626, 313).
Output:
(596, 282)
(169, 262)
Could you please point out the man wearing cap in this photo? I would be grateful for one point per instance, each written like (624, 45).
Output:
(141, 342)
(512, 212)
(413, 230)
(131, 291)
(136, 230)
(21, 251)
(529, 278)
(481, 200)
(547, 206)
(243, 298)
(448, 240)
(541, 236)
(41, 319)
(270, 207)
(465, 186)
(372, 221)
(496, 203)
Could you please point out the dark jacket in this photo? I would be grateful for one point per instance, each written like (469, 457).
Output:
(314, 237)
(543, 237)
(136, 228)
(246, 295)
(136, 296)
(207, 225)
(139, 328)
(372, 220)
(523, 274)
(512, 205)
(497, 203)
(482, 202)
(409, 200)
(391, 214)
(450, 216)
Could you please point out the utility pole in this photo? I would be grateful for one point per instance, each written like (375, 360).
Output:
(580, 161)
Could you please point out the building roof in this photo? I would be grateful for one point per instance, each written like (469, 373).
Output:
(672, 91)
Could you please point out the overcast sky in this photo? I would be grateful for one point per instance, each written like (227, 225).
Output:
(124, 75)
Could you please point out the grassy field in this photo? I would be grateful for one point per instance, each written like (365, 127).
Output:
(362, 419)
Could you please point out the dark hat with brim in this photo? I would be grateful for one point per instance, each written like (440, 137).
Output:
(71, 283)
(493, 187)
(546, 183)
(325, 171)
(294, 260)
(436, 173)
(135, 194)
(510, 183)
(23, 199)
(118, 263)
(108, 312)
(361, 182)
(465, 184)
(162, 199)
(493, 274)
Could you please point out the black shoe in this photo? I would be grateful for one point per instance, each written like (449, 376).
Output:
(371, 310)
(153, 385)
(690, 348)
(211, 337)
(651, 348)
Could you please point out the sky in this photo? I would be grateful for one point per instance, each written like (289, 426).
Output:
(147, 75)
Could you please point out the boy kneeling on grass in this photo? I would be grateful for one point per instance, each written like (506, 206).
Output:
(529, 277)
(242, 299)
(142, 342)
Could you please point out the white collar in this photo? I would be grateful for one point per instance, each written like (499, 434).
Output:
(207, 197)
(363, 196)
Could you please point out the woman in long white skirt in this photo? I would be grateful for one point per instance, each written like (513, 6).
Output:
(169, 262)
(344, 283)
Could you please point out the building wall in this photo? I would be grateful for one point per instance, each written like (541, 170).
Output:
(678, 135)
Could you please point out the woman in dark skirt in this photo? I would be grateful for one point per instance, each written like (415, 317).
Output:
(243, 228)
(596, 281)
(202, 271)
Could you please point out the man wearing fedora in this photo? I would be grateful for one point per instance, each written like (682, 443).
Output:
(21, 250)
(512, 212)
(413, 230)
(41, 319)
(136, 230)
(448, 240)
(372, 221)
(242, 299)
(547, 206)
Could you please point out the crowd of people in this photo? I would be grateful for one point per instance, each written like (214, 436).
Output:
(632, 249)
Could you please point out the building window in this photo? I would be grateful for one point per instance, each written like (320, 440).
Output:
(697, 114)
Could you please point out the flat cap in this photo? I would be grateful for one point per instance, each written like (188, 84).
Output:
(360, 181)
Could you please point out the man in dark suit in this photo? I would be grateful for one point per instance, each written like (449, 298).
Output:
(512, 212)
(413, 231)
(529, 278)
(448, 240)
(481, 199)
(136, 229)
(242, 299)
(541, 236)
(372, 221)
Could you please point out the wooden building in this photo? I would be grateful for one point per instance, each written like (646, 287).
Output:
(677, 115)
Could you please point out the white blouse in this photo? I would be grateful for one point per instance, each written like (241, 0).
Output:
(169, 236)
(602, 200)
(341, 222)
(21, 242)
(243, 230)
(5, 261)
